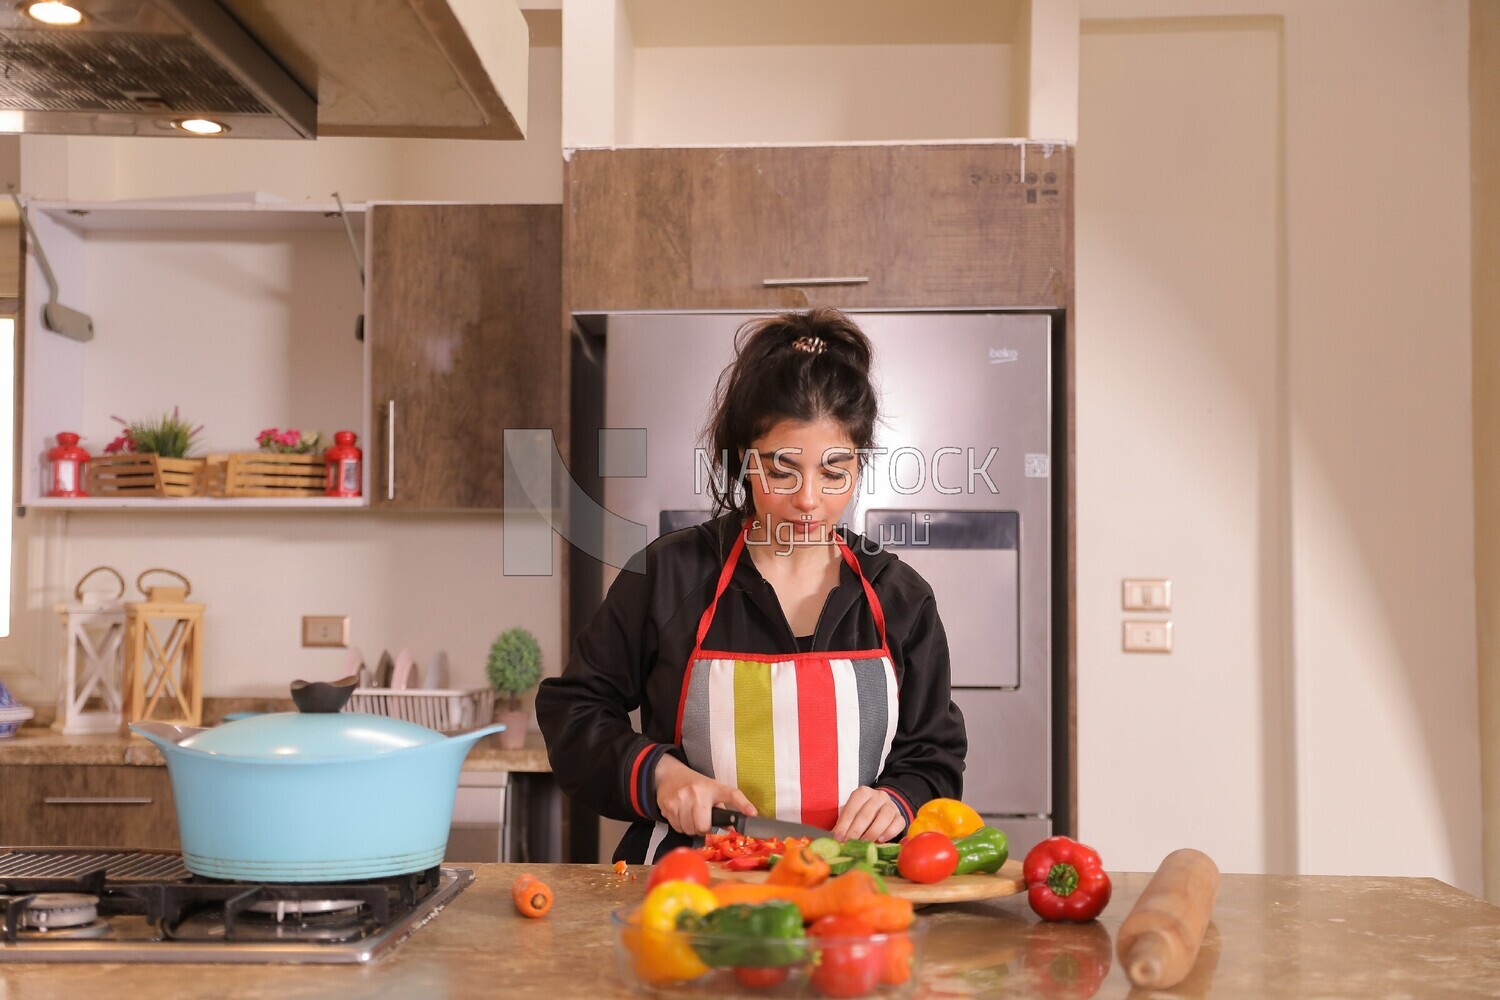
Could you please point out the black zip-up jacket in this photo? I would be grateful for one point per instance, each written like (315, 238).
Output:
(634, 654)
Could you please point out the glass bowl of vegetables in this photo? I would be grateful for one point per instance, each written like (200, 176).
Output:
(763, 950)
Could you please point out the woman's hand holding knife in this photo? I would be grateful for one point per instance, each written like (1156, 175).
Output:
(686, 798)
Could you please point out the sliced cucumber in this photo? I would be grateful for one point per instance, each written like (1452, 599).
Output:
(888, 852)
(861, 850)
(839, 865)
(825, 847)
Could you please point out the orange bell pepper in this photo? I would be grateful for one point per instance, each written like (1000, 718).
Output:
(946, 816)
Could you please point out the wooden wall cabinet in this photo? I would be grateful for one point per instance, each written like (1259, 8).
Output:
(254, 303)
(463, 323)
(962, 225)
(56, 805)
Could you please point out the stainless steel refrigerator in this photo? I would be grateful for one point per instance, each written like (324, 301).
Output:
(962, 489)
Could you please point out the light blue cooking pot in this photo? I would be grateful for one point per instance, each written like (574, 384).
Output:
(316, 795)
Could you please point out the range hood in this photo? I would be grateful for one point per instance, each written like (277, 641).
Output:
(268, 69)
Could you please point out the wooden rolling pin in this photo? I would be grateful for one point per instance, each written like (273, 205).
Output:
(1159, 940)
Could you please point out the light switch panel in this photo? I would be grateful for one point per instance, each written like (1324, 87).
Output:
(325, 630)
(1148, 637)
(1146, 595)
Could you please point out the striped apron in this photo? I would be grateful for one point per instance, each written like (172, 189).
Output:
(796, 732)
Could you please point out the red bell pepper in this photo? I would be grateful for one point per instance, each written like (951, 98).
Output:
(1065, 880)
(1068, 963)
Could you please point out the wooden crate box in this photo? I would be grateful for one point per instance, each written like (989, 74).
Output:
(144, 476)
(265, 474)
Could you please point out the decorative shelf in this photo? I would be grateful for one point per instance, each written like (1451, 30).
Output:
(201, 503)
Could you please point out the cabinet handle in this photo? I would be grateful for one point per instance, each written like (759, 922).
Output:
(390, 450)
(96, 800)
(784, 282)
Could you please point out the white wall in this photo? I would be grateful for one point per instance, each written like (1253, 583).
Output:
(798, 93)
(1180, 458)
(425, 582)
(1298, 451)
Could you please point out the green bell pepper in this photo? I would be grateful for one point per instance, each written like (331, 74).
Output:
(750, 935)
(984, 850)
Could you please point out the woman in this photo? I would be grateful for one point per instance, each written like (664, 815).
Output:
(782, 666)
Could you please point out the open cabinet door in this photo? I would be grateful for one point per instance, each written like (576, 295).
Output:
(464, 329)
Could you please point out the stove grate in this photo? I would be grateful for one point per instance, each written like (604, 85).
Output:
(120, 866)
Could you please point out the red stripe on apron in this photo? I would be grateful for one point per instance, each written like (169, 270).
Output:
(818, 738)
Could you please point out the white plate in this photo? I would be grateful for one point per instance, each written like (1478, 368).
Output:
(437, 672)
(401, 672)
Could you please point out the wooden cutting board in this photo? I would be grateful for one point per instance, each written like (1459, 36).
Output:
(953, 889)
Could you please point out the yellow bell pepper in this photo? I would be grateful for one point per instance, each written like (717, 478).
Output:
(947, 816)
(666, 954)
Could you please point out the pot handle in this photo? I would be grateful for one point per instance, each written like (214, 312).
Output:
(323, 696)
(164, 734)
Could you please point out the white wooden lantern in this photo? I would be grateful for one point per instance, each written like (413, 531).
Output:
(90, 691)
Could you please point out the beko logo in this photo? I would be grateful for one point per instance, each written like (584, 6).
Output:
(1001, 355)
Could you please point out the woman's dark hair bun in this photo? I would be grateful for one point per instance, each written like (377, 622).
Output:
(801, 366)
(818, 330)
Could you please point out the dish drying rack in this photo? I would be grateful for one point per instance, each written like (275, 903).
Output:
(448, 710)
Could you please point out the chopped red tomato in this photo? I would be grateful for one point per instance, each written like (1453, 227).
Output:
(732, 844)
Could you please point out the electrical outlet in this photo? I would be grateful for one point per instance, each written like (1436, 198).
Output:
(325, 630)
(1148, 637)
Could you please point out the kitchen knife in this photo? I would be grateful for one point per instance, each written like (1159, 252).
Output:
(762, 828)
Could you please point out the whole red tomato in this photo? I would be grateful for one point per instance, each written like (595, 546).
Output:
(683, 864)
(848, 963)
(927, 857)
(761, 979)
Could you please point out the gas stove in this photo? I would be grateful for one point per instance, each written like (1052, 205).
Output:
(71, 905)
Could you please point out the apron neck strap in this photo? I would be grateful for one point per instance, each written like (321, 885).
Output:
(727, 573)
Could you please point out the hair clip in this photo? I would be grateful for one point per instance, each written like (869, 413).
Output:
(811, 343)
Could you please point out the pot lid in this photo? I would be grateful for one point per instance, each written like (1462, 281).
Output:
(299, 736)
(318, 731)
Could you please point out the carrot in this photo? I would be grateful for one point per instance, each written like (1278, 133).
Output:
(729, 893)
(799, 866)
(888, 914)
(846, 895)
(531, 895)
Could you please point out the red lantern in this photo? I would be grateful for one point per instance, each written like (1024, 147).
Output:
(70, 467)
(343, 466)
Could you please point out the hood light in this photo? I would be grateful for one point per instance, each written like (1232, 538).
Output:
(54, 13)
(202, 126)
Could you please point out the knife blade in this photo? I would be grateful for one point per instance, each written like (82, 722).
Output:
(763, 828)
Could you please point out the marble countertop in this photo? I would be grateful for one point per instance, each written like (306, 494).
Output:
(1271, 937)
(34, 745)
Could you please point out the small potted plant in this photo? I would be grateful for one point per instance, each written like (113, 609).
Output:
(514, 667)
(149, 458)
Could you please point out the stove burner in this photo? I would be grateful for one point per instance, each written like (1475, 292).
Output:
(282, 908)
(51, 910)
(144, 906)
(92, 930)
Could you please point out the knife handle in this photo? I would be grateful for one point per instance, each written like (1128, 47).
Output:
(727, 817)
